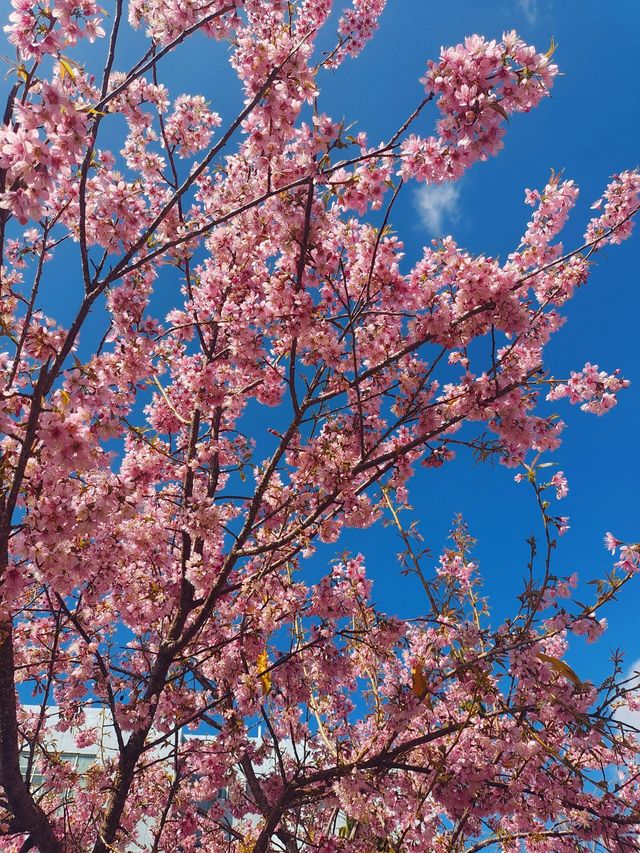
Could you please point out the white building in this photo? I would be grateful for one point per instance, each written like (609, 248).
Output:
(104, 746)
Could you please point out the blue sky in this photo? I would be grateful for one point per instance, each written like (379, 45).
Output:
(590, 127)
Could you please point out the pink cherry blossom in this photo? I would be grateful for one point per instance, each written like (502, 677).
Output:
(611, 543)
(244, 365)
(559, 482)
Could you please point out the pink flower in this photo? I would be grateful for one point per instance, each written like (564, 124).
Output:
(611, 543)
(629, 558)
(559, 482)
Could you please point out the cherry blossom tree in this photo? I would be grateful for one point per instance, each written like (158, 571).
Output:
(155, 549)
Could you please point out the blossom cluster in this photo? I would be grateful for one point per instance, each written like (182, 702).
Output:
(621, 200)
(40, 152)
(478, 85)
(37, 30)
(594, 388)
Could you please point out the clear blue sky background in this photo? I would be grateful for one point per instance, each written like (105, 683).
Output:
(590, 127)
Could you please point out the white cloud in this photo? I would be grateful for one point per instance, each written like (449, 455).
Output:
(438, 204)
(530, 9)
